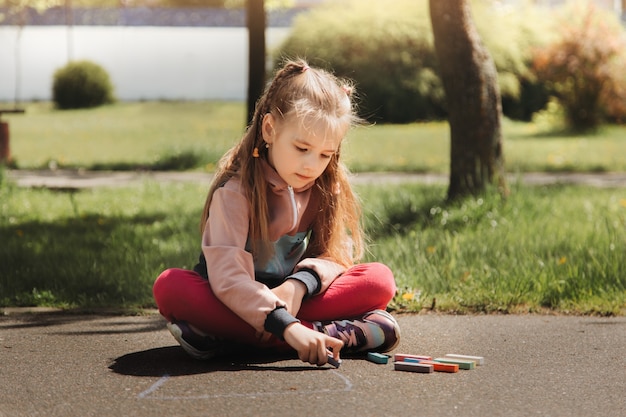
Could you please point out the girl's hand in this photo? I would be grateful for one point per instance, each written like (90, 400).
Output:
(312, 346)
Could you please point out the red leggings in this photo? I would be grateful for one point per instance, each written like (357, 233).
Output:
(184, 295)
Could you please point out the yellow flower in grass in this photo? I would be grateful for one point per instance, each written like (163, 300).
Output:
(622, 202)
(562, 260)
(408, 296)
(431, 250)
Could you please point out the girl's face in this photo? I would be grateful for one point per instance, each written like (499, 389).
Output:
(299, 154)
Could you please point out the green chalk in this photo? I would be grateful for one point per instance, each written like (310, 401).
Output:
(478, 359)
(462, 364)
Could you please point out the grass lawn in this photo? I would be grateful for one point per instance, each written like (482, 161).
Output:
(549, 248)
(556, 248)
(193, 135)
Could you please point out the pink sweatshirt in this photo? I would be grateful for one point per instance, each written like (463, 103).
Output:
(230, 267)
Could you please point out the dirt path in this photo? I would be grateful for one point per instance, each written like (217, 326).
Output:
(71, 179)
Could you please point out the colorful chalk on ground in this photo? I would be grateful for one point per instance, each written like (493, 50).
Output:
(334, 362)
(439, 366)
(377, 357)
(462, 364)
(443, 367)
(413, 367)
(478, 359)
(400, 357)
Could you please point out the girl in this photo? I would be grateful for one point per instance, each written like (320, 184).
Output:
(281, 235)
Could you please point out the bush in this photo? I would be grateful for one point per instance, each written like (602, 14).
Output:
(387, 49)
(510, 34)
(584, 67)
(81, 84)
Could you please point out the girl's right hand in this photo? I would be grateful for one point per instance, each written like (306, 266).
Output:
(312, 346)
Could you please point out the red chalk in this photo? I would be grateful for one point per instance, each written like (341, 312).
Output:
(442, 367)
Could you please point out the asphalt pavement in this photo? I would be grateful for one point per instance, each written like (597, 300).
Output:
(67, 364)
(63, 364)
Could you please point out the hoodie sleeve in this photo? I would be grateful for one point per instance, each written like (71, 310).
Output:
(230, 267)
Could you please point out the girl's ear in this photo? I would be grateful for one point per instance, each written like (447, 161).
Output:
(267, 128)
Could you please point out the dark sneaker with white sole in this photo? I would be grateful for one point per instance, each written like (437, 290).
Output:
(376, 331)
(198, 346)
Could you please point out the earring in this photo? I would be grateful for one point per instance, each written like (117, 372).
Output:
(255, 152)
(267, 146)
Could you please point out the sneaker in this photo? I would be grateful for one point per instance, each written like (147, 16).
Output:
(376, 331)
(198, 346)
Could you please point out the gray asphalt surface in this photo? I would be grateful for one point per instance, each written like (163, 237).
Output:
(63, 364)
(60, 364)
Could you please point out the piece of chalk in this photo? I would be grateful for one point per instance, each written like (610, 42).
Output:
(399, 357)
(462, 364)
(439, 366)
(334, 362)
(377, 357)
(442, 367)
(413, 367)
(478, 359)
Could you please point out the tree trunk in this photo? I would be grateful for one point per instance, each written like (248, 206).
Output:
(256, 52)
(470, 82)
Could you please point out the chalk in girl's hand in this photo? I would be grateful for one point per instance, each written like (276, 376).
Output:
(334, 362)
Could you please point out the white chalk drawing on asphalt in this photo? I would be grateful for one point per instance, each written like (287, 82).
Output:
(151, 393)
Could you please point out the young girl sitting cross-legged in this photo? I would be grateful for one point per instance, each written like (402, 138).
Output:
(281, 237)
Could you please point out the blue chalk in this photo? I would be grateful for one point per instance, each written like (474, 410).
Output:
(377, 357)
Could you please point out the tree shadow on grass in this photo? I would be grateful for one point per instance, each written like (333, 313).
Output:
(87, 261)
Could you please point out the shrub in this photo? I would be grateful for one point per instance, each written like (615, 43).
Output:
(387, 49)
(584, 67)
(510, 34)
(81, 84)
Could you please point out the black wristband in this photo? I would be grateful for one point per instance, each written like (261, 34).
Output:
(278, 320)
(310, 279)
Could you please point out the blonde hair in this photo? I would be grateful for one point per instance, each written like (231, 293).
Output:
(309, 94)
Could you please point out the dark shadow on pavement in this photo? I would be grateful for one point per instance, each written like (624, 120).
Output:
(43, 320)
(173, 361)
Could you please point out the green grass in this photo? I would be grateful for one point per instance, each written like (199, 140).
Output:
(193, 135)
(124, 135)
(559, 248)
(556, 248)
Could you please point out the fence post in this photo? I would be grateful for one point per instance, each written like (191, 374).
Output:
(5, 142)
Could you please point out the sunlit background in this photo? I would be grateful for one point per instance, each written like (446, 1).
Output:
(152, 49)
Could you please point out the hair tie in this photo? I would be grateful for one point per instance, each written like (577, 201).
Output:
(347, 89)
(305, 67)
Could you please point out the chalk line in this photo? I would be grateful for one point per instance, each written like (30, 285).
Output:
(147, 394)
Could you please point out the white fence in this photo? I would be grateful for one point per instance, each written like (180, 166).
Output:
(144, 63)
